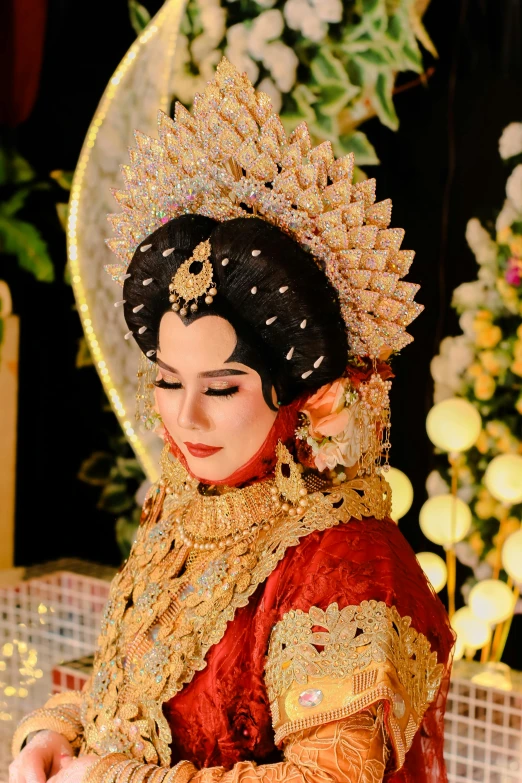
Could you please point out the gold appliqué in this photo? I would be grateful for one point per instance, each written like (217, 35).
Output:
(188, 285)
(367, 653)
(165, 611)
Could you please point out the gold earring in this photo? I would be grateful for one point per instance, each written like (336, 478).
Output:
(145, 402)
(288, 479)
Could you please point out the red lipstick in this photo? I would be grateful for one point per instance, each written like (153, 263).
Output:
(201, 450)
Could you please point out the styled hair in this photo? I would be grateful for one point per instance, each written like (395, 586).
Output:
(301, 350)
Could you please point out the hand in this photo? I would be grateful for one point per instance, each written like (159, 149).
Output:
(42, 757)
(74, 770)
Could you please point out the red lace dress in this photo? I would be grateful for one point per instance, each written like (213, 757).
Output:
(225, 717)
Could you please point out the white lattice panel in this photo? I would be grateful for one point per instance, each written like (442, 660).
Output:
(483, 736)
(43, 621)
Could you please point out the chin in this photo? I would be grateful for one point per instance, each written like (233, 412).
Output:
(208, 468)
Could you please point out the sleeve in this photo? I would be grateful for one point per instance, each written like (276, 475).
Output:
(61, 713)
(352, 750)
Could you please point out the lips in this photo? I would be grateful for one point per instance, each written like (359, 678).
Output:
(201, 450)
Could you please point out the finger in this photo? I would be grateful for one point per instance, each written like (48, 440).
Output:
(65, 760)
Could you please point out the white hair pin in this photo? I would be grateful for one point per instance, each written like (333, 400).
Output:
(168, 252)
(283, 289)
(125, 277)
(318, 361)
(138, 308)
(306, 374)
(253, 290)
(303, 324)
(120, 303)
(270, 321)
(256, 253)
(142, 329)
(126, 336)
(143, 248)
(224, 262)
(148, 281)
(150, 353)
(290, 353)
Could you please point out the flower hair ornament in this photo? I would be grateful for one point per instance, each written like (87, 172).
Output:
(231, 158)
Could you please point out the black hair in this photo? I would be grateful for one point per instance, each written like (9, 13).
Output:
(282, 280)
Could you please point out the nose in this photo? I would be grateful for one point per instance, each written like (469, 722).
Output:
(191, 415)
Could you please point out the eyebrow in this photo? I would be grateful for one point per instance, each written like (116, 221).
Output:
(207, 374)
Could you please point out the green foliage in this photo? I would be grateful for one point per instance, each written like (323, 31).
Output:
(119, 476)
(139, 16)
(18, 237)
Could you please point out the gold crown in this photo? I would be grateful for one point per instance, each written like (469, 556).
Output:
(232, 158)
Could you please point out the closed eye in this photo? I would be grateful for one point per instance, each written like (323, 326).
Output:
(161, 383)
(222, 392)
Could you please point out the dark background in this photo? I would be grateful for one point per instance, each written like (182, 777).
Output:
(440, 169)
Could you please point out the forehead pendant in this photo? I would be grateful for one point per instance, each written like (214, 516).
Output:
(193, 280)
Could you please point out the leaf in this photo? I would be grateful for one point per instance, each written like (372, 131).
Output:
(115, 498)
(383, 102)
(15, 203)
(62, 211)
(13, 168)
(96, 469)
(358, 143)
(374, 56)
(139, 16)
(83, 354)
(24, 241)
(63, 178)
(129, 468)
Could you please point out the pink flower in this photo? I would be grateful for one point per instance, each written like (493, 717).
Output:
(513, 273)
(327, 411)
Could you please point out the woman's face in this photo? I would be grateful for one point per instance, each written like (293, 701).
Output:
(213, 408)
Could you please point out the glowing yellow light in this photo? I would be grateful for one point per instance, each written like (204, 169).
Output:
(512, 556)
(42, 609)
(22, 692)
(7, 649)
(445, 519)
(38, 673)
(83, 308)
(22, 647)
(402, 493)
(9, 691)
(5, 716)
(473, 632)
(2, 666)
(492, 601)
(459, 649)
(453, 425)
(435, 569)
(503, 478)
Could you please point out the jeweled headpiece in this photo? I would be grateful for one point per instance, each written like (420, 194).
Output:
(231, 158)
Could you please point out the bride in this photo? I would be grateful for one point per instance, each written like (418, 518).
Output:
(271, 622)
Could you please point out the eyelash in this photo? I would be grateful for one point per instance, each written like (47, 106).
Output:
(225, 393)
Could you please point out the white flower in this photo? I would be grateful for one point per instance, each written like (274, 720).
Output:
(466, 554)
(265, 27)
(510, 143)
(507, 216)
(469, 295)
(483, 571)
(514, 188)
(435, 484)
(268, 86)
(311, 17)
(237, 51)
(447, 368)
(466, 321)
(480, 242)
(282, 63)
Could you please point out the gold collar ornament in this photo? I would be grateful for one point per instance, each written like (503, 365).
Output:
(193, 280)
(231, 158)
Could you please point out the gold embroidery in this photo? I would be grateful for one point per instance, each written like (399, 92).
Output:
(367, 653)
(165, 612)
(61, 713)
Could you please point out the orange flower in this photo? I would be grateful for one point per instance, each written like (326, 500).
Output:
(327, 411)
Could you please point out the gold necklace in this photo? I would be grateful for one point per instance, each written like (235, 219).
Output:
(216, 521)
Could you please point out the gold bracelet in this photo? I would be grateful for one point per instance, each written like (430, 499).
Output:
(112, 774)
(158, 775)
(142, 772)
(181, 772)
(96, 771)
(57, 719)
(126, 773)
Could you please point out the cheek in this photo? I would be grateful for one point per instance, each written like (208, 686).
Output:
(166, 404)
